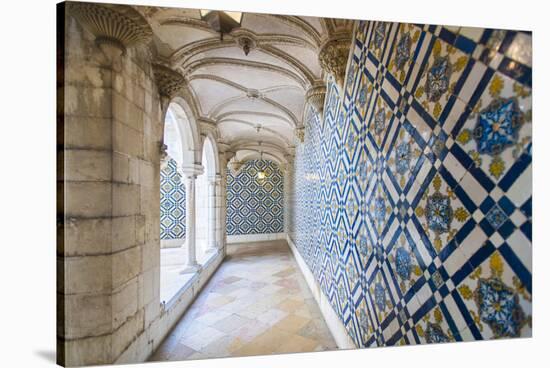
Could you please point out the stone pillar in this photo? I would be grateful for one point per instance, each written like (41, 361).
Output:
(190, 174)
(107, 180)
(219, 208)
(212, 243)
(288, 170)
(225, 156)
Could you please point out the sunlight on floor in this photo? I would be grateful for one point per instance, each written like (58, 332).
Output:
(256, 303)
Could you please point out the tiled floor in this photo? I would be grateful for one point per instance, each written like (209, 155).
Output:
(256, 303)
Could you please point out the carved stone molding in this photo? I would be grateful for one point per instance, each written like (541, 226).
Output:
(316, 96)
(169, 82)
(246, 43)
(300, 133)
(333, 56)
(164, 158)
(207, 126)
(191, 170)
(226, 61)
(117, 25)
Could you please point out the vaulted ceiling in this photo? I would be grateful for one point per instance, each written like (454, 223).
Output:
(256, 100)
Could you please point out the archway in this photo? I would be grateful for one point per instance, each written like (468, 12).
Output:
(179, 150)
(205, 200)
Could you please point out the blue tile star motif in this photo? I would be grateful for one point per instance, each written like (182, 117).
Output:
(380, 209)
(380, 296)
(496, 216)
(403, 263)
(498, 134)
(439, 76)
(439, 212)
(380, 121)
(363, 96)
(497, 126)
(363, 320)
(499, 307)
(434, 334)
(403, 158)
(403, 51)
(379, 35)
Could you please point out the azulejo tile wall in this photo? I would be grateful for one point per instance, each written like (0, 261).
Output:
(255, 206)
(172, 203)
(411, 198)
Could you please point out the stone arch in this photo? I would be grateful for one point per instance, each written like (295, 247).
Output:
(209, 149)
(206, 206)
(181, 138)
(182, 113)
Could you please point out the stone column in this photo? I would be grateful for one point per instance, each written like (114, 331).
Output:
(226, 154)
(212, 246)
(288, 172)
(190, 174)
(218, 209)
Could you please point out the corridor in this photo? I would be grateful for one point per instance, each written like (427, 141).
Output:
(256, 303)
(394, 158)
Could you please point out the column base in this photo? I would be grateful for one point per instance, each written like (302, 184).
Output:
(191, 269)
(212, 250)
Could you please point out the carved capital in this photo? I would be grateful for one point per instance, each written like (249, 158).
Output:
(191, 171)
(316, 96)
(164, 158)
(116, 25)
(300, 133)
(334, 56)
(235, 165)
(168, 81)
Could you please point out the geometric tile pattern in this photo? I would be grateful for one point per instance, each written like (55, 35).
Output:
(172, 203)
(411, 199)
(255, 206)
